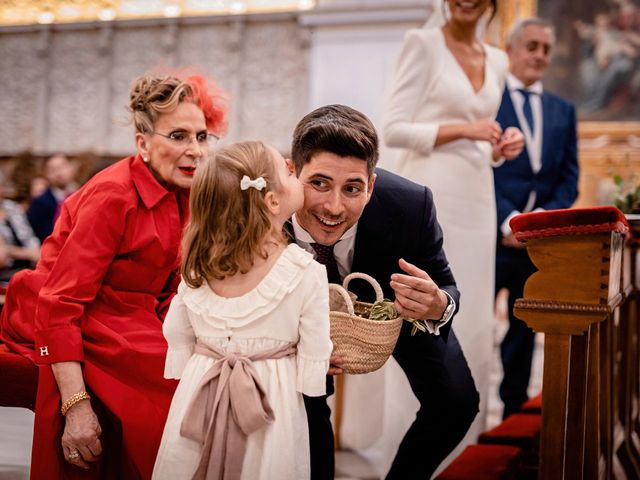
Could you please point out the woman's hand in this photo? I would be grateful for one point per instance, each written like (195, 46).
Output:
(485, 129)
(81, 436)
(511, 143)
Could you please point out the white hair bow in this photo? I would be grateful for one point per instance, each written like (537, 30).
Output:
(259, 183)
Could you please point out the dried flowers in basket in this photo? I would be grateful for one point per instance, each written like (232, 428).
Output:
(363, 334)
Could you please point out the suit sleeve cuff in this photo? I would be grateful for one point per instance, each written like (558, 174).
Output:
(505, 229)
(434, 326)
(60, 344)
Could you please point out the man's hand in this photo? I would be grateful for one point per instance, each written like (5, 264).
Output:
(335, 364)
(511, 242)
(417, 296)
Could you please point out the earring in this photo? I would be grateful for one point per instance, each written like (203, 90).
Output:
(145, 159)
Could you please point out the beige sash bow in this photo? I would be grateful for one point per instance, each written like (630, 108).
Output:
(229, 404)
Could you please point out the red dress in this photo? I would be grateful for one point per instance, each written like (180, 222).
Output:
(98, 296)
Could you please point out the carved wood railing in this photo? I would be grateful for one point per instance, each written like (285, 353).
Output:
(584, 298)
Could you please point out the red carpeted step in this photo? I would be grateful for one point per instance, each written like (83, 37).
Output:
(533, 405)
(18, 378)
(485, 462)
(520, 429)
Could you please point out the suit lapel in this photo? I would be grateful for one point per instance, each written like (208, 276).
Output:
(372, 237)
(547, 120)
(512, 119)
(375, 248)
(509, 109)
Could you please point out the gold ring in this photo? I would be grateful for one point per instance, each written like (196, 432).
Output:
(73, 455)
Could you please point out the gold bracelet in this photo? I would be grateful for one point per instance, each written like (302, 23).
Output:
(72, 400)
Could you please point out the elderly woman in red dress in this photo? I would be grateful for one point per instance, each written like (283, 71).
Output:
(90, 315)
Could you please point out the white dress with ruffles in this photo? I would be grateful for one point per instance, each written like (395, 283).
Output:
(289, 305)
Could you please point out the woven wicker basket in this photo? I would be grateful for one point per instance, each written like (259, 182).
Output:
(363, 344)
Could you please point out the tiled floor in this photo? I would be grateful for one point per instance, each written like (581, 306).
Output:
(15, 443)
(16, 425)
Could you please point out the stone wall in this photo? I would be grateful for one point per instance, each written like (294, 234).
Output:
(65, 86)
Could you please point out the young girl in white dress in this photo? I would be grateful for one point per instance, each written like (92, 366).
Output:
(248, 330)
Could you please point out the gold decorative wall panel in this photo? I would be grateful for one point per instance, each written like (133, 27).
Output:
(24, 12)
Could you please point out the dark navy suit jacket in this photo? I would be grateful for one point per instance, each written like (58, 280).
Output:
(41, 213)
(400, 222)
(556, 182)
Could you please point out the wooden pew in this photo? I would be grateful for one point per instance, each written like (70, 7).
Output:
(586, 306)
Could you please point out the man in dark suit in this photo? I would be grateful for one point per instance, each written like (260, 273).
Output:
(543, 177)
(391, 233)
(44, 210)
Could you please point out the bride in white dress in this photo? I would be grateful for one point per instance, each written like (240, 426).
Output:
(442, 105)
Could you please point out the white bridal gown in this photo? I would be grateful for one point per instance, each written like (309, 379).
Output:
(431, 89)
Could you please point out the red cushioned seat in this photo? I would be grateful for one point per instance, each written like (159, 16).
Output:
(533, 405)
(485, 462)
(521, 430)
(570, 221)
(19, 380)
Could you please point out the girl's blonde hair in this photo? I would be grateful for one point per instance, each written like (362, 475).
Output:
(228, 226)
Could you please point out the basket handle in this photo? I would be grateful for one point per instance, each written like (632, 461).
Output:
(345, 296)
(372, 281)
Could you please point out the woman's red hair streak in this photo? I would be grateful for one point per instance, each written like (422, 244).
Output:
(214, 103)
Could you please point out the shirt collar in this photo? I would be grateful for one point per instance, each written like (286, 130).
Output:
(149, 189)
(514, 83)
(303, 236)
(58, 193)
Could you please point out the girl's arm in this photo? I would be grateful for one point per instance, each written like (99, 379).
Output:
(314, 345)
(180, 336)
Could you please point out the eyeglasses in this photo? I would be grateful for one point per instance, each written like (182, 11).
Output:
(203, 139)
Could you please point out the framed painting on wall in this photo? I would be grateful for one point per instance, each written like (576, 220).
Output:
(595, 64)
(596, 60)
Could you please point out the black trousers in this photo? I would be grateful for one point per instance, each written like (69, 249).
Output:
(441, 380)
(513, 268)
(323, 464)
